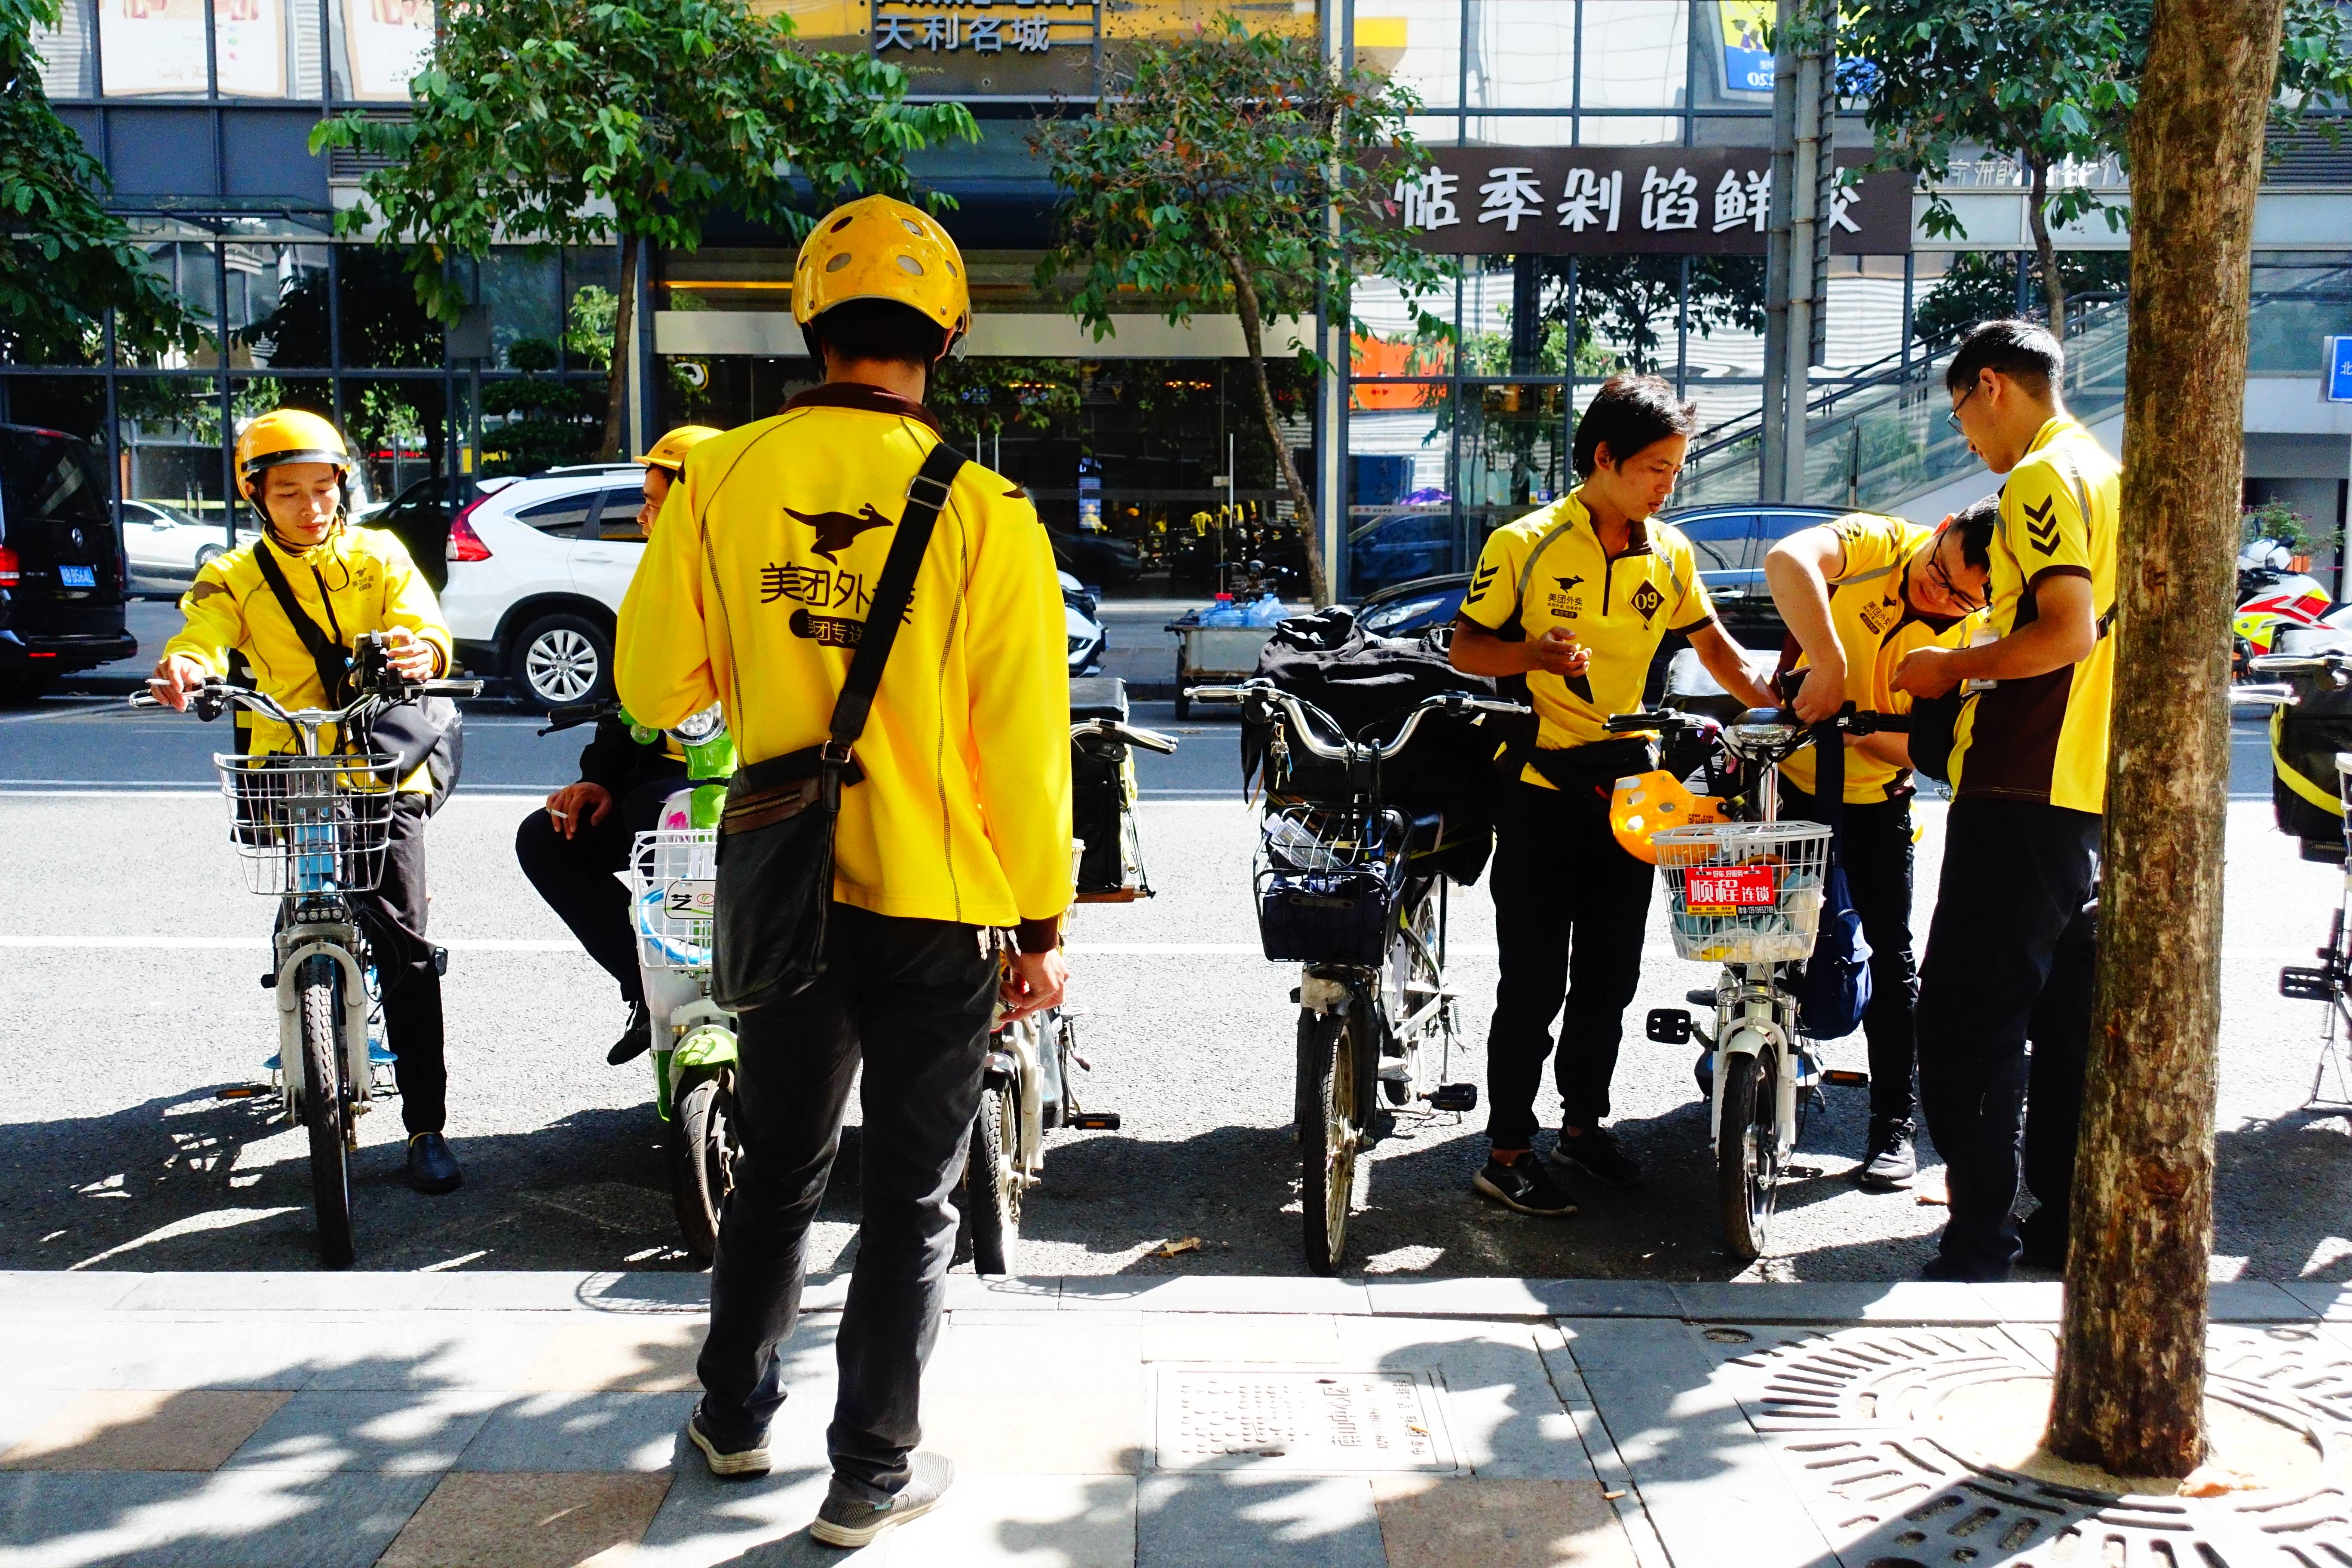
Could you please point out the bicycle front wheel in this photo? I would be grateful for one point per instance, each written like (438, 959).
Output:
(326, 1107)
(1337, 1058)
(992, 1181)
(1747, 1152)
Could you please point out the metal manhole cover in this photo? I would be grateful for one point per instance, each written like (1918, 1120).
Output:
(1312, 1423)
(1852, 1415)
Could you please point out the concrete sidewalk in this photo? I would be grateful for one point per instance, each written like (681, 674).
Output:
(452, 1420)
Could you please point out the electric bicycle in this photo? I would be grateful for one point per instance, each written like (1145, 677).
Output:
(311, 828)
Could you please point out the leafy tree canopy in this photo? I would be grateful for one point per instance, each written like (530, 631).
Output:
(64, 260)
(1209, 180)
(560, 122)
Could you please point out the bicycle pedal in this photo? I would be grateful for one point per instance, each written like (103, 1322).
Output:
(1095, 1122)
(2306, 984)
(269, 982)
(1801, 1172)
(1842, 1077)
(272, 1064)
(1453, 1097)
(1396, 1072)
(1700, 998)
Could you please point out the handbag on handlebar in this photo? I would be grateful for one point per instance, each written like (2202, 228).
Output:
(417, 732)
(775, 857)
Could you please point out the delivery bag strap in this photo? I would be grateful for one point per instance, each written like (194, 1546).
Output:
(774, 854)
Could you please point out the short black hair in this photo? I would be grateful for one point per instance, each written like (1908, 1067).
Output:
(1974, 524)
(2023, 351)
(1628, 413)
(878, 329)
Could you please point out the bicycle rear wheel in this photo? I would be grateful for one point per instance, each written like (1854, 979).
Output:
(326, 1107)
(1337, 1057)
(1747, 1152)
(993, 1183)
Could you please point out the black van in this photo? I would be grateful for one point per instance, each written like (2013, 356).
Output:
(61, 566)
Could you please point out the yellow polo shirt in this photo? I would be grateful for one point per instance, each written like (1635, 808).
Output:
(1548, 569)
(2046, 739)
(1876, 627)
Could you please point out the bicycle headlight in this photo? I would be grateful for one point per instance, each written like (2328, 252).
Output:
(697, 728)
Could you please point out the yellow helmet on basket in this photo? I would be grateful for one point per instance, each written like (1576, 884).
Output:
(877, 247)
(287, 436)
(1642, 804)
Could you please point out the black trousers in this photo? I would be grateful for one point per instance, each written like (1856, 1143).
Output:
(1570, 911)
(1876, 841)
(393, 917)
(2061, 1032)
(910, 998)
(576, 875)
(2012, 932)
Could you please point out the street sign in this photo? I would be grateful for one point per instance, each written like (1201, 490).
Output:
(2339, 379)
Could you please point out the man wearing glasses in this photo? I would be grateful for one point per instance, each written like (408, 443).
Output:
(2010, 948)
(1859, 595)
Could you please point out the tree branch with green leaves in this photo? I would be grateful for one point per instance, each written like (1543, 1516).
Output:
(551, 122)
(2045, 82)
(64, 260)
(1239, 173)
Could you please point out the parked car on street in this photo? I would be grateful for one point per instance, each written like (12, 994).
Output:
(162, 542)
(537, 568)
(1080, 621)
(61, 566)
(420, 518)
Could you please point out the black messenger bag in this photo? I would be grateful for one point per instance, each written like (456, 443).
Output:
(774, 858)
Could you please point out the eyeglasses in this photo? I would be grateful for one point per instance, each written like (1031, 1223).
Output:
(1953, 418)
(1951, 589)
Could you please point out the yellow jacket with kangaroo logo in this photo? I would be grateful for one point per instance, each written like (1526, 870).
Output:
(356, 579)
(754, 591)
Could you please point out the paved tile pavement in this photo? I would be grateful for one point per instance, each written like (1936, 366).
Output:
(515, 1420)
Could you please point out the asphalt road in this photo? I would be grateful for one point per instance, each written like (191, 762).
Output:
(130, 950)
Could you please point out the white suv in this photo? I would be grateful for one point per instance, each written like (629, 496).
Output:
(537, 568)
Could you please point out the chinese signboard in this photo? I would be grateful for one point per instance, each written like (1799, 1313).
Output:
(1021, 47)
(1624, 201)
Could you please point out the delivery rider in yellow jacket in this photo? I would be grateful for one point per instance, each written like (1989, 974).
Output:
(294, 468)
(753, 592)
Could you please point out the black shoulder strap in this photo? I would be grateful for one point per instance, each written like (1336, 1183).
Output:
(334, 664)
(925, 494)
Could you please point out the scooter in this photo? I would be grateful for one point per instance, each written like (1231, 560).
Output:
(2272, 595)
(671, 881)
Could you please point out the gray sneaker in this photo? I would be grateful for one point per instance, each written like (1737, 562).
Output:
(1888, 1161)
(723, 1461)
(852, 1521)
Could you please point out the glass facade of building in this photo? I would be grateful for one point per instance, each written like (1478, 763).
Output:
(200, 110)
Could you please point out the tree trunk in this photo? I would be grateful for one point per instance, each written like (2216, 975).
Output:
(2130, 1379)
(1318, 580)
(625, 323)
(2037, 214)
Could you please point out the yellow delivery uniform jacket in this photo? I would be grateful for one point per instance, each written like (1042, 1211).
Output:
(356, 579)
(753, 591)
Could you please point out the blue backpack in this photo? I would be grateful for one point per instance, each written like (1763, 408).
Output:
(1835, 991)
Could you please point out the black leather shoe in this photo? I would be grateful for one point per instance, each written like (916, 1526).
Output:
(636, 1040)
(431, 1168)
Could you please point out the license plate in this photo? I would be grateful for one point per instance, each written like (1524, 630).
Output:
(1728, 890)
(692, 898)
(78, 576)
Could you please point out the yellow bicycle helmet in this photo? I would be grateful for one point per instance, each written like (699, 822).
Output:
(876, 248)
(1642, 804)
(671, 451)
(288, 436)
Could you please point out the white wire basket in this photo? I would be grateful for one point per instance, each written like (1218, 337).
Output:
(1744, 892)
(673, 892)
(308, 825)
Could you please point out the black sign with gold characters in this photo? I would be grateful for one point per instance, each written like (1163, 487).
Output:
(1624, 201)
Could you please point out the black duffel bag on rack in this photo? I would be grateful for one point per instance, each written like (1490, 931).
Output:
(1368, 684)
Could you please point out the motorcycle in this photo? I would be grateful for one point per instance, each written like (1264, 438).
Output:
(2272, 595)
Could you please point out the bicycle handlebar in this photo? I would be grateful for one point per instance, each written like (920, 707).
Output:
(216, 694)
(1350, 749)
(1128, 734)
(1848, 722)
(572, 715)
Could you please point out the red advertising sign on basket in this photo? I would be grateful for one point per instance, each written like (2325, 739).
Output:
(1728, 890)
